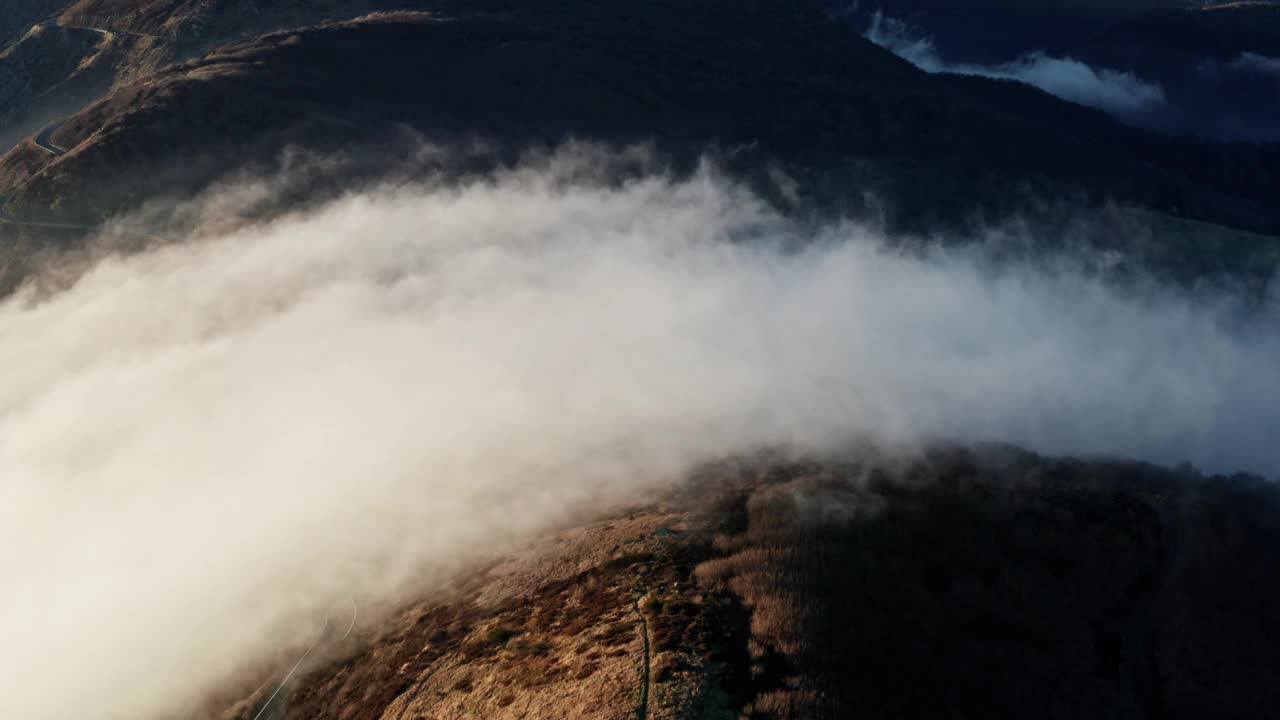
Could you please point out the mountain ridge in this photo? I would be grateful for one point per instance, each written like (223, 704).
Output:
(808, 589)
(1012, 133)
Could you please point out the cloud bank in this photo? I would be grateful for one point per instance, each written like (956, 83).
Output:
(1119, 93)
(1253, 62)
(206, 448)
(1247, 62)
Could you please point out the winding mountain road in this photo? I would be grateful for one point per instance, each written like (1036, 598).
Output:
(261, 714)
(44, 139)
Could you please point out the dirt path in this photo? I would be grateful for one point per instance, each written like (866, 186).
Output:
(642, 712)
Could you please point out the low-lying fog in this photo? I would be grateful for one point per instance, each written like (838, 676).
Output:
(1120, 93)
(207, 447)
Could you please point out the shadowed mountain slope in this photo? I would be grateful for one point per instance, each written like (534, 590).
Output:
(133, 38)
(778, 77)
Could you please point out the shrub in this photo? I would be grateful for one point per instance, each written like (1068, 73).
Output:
(499, 634)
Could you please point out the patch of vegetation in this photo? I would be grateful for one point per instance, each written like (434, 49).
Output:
(616, 633)
(500, 634)
(523, 646)
(627, 560)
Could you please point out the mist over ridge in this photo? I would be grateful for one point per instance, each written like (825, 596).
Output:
(672, 360)
(1120, 93)
(362, 397)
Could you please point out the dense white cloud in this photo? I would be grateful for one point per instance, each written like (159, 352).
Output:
(206, 447)
(1120, 93)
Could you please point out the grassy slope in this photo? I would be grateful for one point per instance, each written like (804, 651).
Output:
(50, 71)
(596, 621)
(215, 20)
(20, 15)
(956, 584)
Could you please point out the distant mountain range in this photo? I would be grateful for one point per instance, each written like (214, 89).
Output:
(1205, 69)
(789, 81)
